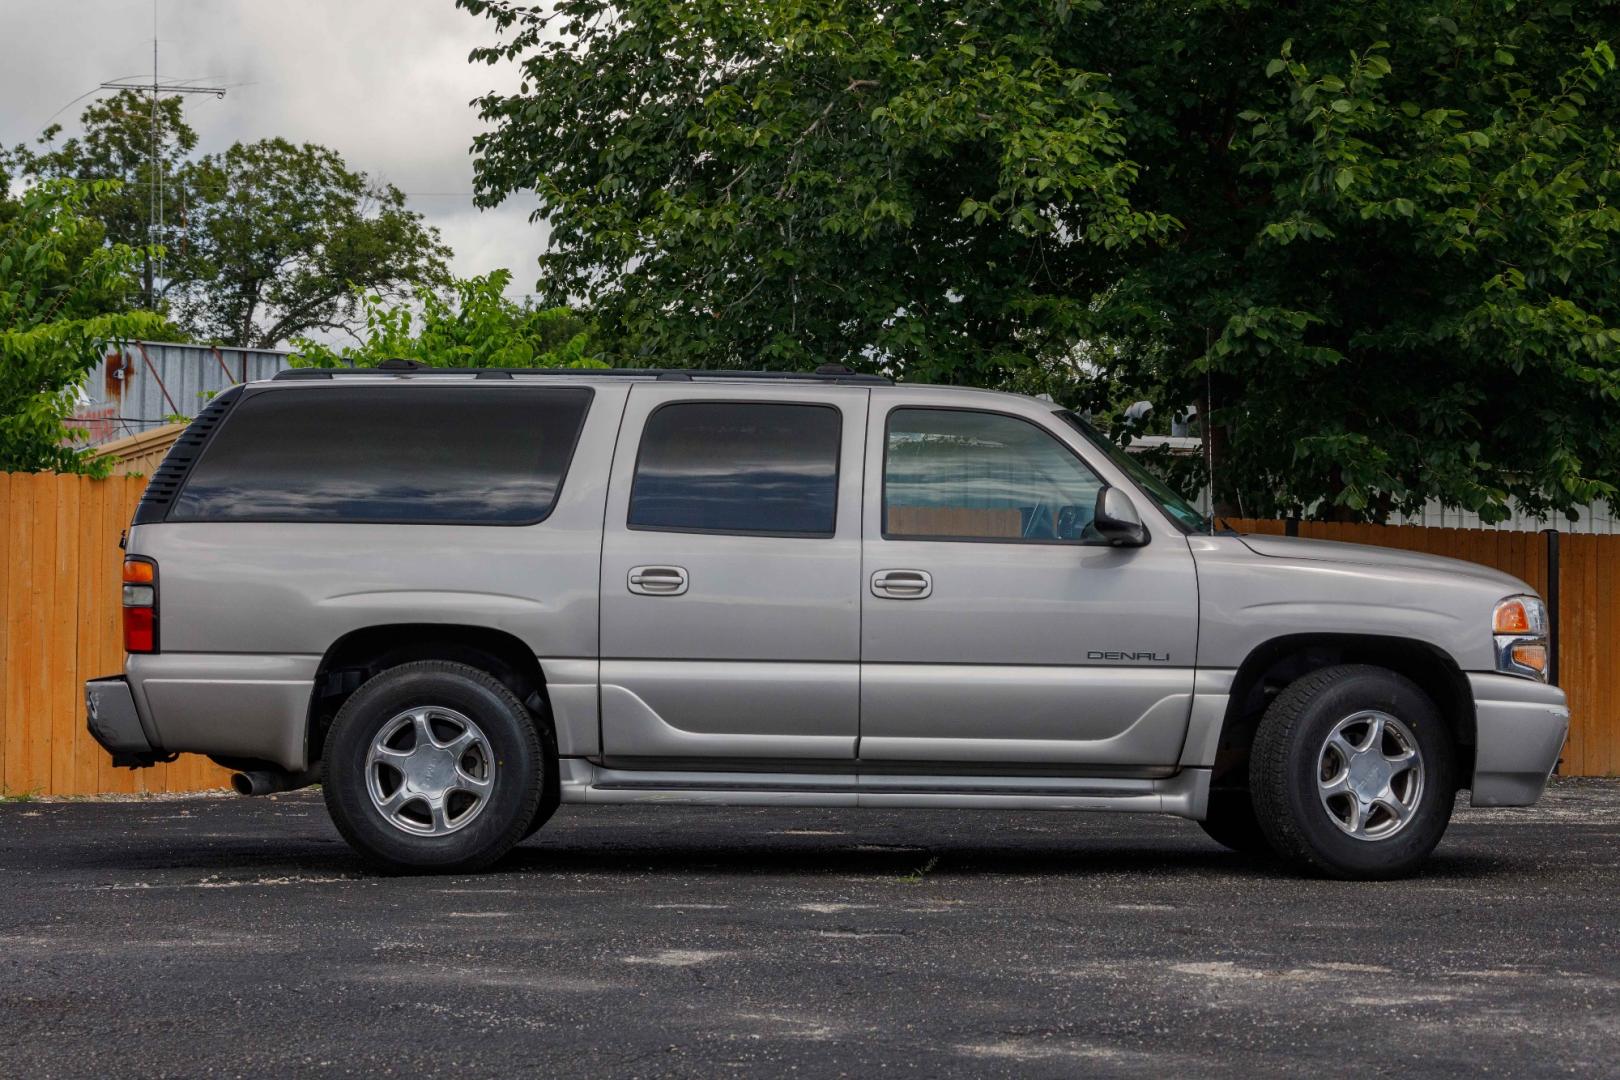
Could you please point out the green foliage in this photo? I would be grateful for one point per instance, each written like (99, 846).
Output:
(116, 144)
(262, 242)
(280, 236)
(1378, 238)
(801, 182)
(1397, 281)
(470, 323)
(62, 293)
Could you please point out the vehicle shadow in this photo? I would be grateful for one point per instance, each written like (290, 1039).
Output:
(934, 861)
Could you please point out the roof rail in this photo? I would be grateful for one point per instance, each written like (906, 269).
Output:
(826, 373)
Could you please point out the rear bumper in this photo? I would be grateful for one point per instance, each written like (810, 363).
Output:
(235, 705)
(110, 714)
(1521, 726)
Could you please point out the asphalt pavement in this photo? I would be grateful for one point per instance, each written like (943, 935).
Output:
(225, 936)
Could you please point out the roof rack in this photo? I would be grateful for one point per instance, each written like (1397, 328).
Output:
(826, 373)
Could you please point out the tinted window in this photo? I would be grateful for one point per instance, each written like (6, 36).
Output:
(471, 455)
(953, 474)
(735, 467)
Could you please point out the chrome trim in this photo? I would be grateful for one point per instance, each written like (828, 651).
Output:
(1506, 643)
(1186, 794)
(1536, 610)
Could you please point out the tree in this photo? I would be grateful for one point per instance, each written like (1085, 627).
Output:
(469, 323)
(1372, 243)
(279, 236)
(62, 302)
(260, 243)
(117, 144)
(791, 184)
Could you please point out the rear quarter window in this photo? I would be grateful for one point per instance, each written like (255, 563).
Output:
(409, 455)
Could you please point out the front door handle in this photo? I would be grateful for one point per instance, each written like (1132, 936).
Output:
(658, 580)
(902, 584)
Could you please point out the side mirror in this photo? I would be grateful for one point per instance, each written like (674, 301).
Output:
(1116, 519)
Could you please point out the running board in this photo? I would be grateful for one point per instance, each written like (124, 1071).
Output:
(1186, 794)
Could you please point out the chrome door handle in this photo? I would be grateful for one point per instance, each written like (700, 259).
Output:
(902, 584)
(658, 580)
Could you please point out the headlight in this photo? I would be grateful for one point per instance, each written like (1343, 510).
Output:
(1519, 624)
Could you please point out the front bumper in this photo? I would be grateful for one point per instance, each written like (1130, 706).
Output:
(1521, 725)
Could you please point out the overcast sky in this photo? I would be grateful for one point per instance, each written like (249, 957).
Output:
(384, 82)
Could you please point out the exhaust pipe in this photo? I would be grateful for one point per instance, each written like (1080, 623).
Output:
(270, 781)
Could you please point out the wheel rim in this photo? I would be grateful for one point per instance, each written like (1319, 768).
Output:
(1369, 775)
(430, 771)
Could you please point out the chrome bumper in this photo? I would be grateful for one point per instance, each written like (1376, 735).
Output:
(1521, 725)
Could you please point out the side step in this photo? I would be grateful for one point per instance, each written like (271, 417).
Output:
(1185, 794)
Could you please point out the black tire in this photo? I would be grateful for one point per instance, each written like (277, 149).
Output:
(518, 770)
(1287, 762)
(551, 786)
(1231, 822)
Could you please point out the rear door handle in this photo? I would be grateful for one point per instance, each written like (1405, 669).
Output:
(658, 580)
(902, 584)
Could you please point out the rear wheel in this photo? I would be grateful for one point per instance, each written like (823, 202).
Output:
(434, 766)
(1352, 773)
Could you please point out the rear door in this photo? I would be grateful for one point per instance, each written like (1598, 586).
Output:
(731, 576)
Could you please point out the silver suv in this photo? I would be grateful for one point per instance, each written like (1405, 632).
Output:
(458, 598)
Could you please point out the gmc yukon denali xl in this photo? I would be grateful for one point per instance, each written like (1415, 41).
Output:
(458, 598)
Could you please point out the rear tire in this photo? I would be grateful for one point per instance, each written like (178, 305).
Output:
(1352, 773)
(1232, 823)
(434, 766)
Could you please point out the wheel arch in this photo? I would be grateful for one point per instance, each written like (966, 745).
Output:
(360, 654)
(1273, 664)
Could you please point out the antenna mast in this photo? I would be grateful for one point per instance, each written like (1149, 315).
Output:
(154, 210)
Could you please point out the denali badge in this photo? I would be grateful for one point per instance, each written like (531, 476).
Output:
(1152, 656)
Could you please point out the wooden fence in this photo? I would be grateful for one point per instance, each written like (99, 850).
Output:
(59, 625)
(1588, 613)
(60, 582)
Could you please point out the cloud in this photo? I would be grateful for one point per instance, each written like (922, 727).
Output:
(386, 83)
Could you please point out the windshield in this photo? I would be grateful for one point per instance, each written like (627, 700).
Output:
(1182, 512)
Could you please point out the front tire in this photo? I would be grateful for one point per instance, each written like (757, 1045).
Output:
(433, 766)
(1352, 773)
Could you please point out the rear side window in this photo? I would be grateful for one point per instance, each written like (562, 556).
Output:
(412, 455)
(738, 467)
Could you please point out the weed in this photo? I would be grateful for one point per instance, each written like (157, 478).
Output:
(917, 875)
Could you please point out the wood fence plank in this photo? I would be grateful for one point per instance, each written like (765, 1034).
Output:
(86, 584)
(1574, 664)
(42, 609)
(19, 524)
(64, 635)
(1606, 552)
(8, 524)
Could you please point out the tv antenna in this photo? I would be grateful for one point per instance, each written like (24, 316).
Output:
(157, 88)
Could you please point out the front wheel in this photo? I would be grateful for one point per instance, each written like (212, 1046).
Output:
(1352, 773)
(433, 766)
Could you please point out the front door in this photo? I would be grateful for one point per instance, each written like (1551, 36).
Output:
(731, 577)
(999, 630)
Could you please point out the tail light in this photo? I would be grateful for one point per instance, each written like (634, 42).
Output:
(140, 605)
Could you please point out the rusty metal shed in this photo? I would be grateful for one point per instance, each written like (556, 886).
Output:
(146, 384)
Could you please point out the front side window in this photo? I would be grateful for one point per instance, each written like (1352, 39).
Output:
(1180, 511)
(738, 467)
(952, 474)
(402, 455)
